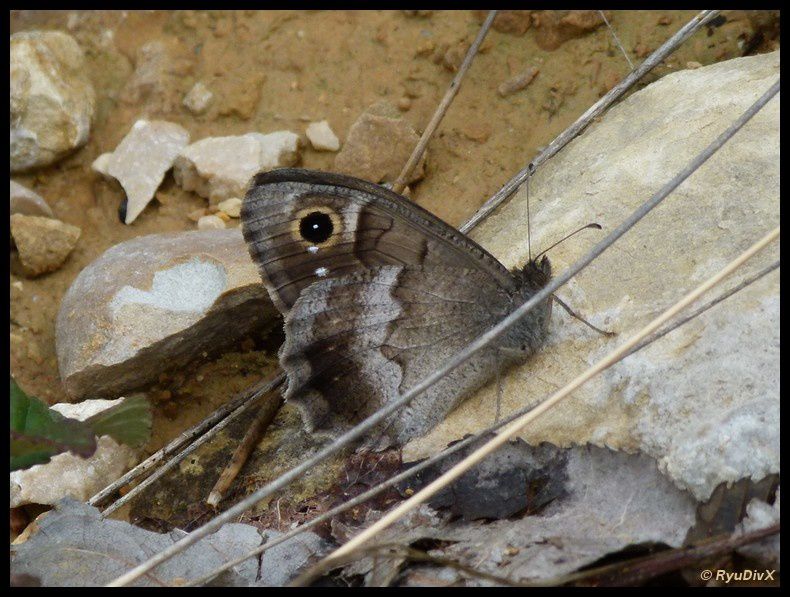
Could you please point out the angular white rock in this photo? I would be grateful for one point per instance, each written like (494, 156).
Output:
(198, 99)
(141, 160)
(378, 144)
(52, 99)
(231, 206)
(321, 136)
(704, 400)
(154, 303)
(70, 475)
(101, 164)
(760, 515)
(210, 222)
(26, 202)
(221, 167)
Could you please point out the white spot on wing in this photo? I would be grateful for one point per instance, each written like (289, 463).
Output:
(312, 249)
(321, 272)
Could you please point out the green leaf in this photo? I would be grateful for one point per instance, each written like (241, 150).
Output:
(128, 422)
(38, 433)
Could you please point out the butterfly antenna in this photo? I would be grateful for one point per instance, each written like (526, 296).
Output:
(575, 315)
(564, 238)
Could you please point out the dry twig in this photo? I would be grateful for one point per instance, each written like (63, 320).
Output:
(595, 110)
(271, 403)
(452, 90)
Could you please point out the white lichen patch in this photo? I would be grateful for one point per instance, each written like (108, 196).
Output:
(188, 287)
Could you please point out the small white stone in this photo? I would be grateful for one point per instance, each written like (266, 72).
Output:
(221, 167)
(198, 99)
(24, 201)
(231, 206)
(141, 160)
(322, 137)
(210, 222)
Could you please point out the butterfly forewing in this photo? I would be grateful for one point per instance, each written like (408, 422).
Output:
(302, 226)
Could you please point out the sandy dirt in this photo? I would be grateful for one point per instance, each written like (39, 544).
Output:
(282, 69)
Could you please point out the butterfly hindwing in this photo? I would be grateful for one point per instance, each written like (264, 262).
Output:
(355, 343)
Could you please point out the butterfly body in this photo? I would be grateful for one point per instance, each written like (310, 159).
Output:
(376, 294)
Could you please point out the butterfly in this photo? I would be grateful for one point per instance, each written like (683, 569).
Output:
(376, 293)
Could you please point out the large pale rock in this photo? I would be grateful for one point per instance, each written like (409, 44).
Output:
(141, 160)
(28, 203)
(154, 303)
(221, 167)
(378, 145)
(69, 475)
(43, 243)
(703, 400)
(52, 99)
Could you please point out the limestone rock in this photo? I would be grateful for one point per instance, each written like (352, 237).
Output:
(221, 167)
(198, 99)
(210, 222)
(704, 400)
(26, 202)
(231, 206)
(101, 164)
(160, 67)
(378, 145)
(515, 22)
(43, 243)
(517, 82)
(141, 160)
(760, 515)
(52, 99)
(321, 136)
(283, 562)
(74, 546)
(70, 475)
(555, 27)
(154, 303)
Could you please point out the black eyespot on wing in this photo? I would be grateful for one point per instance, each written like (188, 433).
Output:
(316, 227)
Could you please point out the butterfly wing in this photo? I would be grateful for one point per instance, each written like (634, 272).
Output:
(356, 342)
(302, 226)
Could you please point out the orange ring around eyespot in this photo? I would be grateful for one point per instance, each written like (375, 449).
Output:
(337, 225)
